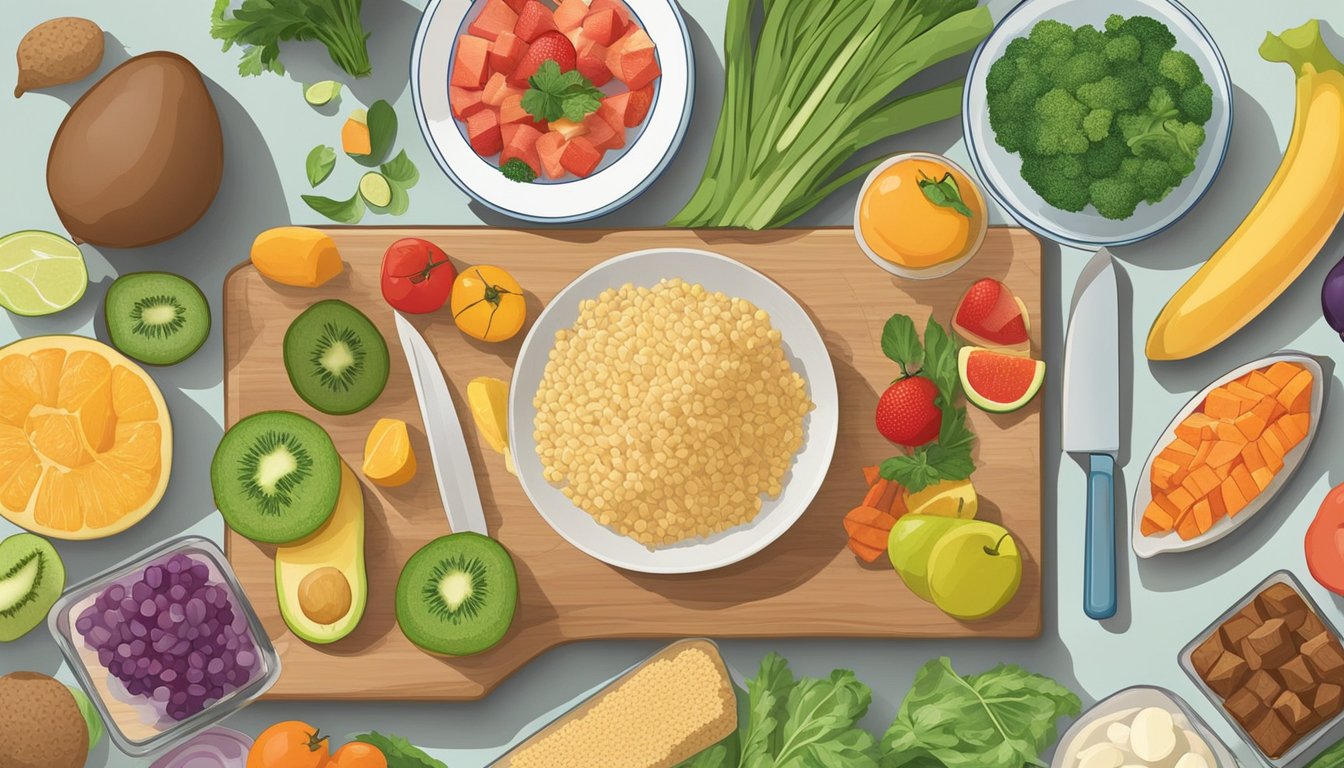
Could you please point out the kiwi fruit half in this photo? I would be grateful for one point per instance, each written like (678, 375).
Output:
(31, 578)
(457, 594)
(335, 357)
(276, 476)
(156, 317)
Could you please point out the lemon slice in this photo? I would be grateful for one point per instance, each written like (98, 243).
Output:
(322, 92)
(388, 458)
(950, 498)
(40, 273)
(489, 402)
(375, 189)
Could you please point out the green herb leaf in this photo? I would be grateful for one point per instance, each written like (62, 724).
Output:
(399, 752)
(382, 122)
(947, 458)
(1003, 718)
(259, 26)
(944, 193)
(900, 342)
(767, 696)
(940, 362)
(553, 94)
(92, 722)
(400, 170)
(320, 162)
(344, 211)
(519, 171)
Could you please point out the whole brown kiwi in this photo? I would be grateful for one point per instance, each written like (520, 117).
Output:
(139, 158)
(40, 723)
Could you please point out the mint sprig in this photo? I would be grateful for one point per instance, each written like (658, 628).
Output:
(944, 193)
(553, 94)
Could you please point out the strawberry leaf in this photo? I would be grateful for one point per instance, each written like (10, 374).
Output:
(940, 362)
(900, 342)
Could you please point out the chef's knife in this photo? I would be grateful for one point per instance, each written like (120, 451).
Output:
(447, 444)
(1092, 419)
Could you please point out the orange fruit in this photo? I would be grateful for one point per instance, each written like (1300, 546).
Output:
(85, 440)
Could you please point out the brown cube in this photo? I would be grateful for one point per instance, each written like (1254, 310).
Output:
(1206, 654)
(1280, 600)
(1328, 700)
(1297, 716)
(1326, 657)
(1245, 707)
(1252, 611)
(1272, 642)
(1296, 675)
(1235, 629)
(1227, 674)
(1265, 687)
(1272, 734)
(1247, 651)
(1311, 627)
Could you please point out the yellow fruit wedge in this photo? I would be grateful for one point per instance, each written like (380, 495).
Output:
(299, 256)
(388, 458)
(489, 401)
(1287, 227)
(950, 498)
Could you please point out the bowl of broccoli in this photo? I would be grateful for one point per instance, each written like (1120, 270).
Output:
(1098, 126)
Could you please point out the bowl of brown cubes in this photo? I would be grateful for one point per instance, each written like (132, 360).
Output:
(1275, 666)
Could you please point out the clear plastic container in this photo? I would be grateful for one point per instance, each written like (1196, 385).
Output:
(1304, 744)
(1118, 705)
(137, 723)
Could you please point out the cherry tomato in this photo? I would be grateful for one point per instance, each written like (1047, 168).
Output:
(417, 276)
(488, 304)
(357, 754)
(291, 744)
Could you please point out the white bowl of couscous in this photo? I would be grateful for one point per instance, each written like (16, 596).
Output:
(672, 411)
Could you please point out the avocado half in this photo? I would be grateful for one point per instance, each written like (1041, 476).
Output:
(310, 572)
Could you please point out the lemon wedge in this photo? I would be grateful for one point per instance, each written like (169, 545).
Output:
(489, 402)
(388, 458)
(950, 498)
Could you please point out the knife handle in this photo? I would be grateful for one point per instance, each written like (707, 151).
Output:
(1099, 574)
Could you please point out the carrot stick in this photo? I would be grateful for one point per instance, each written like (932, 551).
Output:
(875, 493)
(871, 475)
(863, 551)
(888, 497)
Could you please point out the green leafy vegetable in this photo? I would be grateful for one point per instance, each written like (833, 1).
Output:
(519, 171)
(553, 94)
(259, 26)
(401, 175)
(944, 193)
(1003, 718)
(399, 752)
(900, 343)
(92, 721)
(320, 162)
(816, 88)
(382, 122)
(344, 211)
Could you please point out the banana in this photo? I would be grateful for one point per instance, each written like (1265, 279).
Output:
(1288, 225)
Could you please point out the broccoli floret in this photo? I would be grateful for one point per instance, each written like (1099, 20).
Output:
(1161, 104)
(1089, 38)
(1109, 93)
(1058, 180)
(1123, 48)
(1115, 198)
(1050, 36)
(1196, 103)
(1080, 68)
(1104, 158)
(1153, 36)
(1180, 68)
(1097, 124)
(1157, 178)
(1060, 130)
(1114, 22)
(1001, 75)
(1020, 49)
(1011, 112)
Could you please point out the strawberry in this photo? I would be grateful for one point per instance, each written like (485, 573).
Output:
(989, 315)
(907, 414)
(552, 46)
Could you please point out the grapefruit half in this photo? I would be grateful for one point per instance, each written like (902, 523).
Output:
(999, 382)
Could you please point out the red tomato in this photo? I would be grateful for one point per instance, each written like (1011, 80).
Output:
(417, 276)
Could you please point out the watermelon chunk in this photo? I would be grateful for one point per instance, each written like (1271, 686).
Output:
(506, 52)
(534, 20)
(601, 134)
(633, 61)
(614, 116)
(549, 149)
(464, 101)
(495, 19)
(570, 14)
(469, 65)
(483, 132)
(592, 62)
(605, 26)
(633, 106)
(580, 156)
(516, 5)
(511, 111)
(520, 141)
(497, 89)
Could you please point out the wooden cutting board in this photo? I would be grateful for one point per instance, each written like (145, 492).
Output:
(806, 584)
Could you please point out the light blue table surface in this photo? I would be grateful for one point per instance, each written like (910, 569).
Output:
(268, 130)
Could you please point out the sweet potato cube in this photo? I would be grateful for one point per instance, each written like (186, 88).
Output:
(1259, 382)
(1262, 477)
(549, 149)
(1148, 528)
(581, 157)
(1252, 457)
(1191, 485)
(1223, 452)
(1228, 430)
(464, 101)
(1202, 453)
(1282, 372)
(1191, 428)
(1242, 391)
(1203, 515)
(1222, 404)
(1162, 472)
(1245, 483)
(506, 52)
(1250, 424)
(1296, 394)
(533, 20)
(1183, 500)
(1297, 425)
(1157, 518)
(1204, 479)
(483, 133)
(495, 18)
(1271, 444)
(1188, 527)
(1172, 511)
(569, 14)
(1180, 453)
(1217, 504)
(1233, 499)
(470, 65)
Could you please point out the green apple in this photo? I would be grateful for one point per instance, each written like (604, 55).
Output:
(911, 542)
(974, 570)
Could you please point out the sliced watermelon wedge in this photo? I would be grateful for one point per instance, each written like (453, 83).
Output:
(999, 382)
(989, 315)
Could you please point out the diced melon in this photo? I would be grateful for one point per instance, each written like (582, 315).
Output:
(1221, 404)
(355, 138)
(505, 53)
(495, 18)
(1182, 499)
(1191, 486)
(470, 65)
(1180, 452)
(1286, 434)
(581, 157)
(601, 134)
(569, 14)
(1203, 514)
(1164, 501)
(533, 20)
(638, 68)
(497, 89)
(1245, 483)
(1187, 527)
(1233, 499)
(1155, 519)
(1270, 443)
(1162, 471)
(1242, 391)
(511, 111)
(1257, 381)
(1251, 456)
(592, 61)
(1296, 394)
(605, 25)
(516, 5)
(520, 141)
(1217, 504)
(1191, 428)
(1205, 480)
(1283, 372)
(1263, 477)
(1249, 425)
(633, 106)
(464, 101)
(1298, 425)
(568, 128)
(549, 148)
(483, 133)
(1223, 453)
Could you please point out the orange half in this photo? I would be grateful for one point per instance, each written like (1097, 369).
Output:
(85, 440)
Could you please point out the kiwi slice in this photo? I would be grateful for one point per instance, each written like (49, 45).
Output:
(156, 317)
(336, 360)
(31, 578)
(457, 594)
(276, 476)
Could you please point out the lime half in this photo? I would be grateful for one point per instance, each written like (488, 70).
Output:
(321, 93)
(375, 189)
(40, 273)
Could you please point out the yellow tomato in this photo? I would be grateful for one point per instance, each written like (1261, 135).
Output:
(488, 304)
(901, 220)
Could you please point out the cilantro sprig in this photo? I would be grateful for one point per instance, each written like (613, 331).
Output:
(553, 94)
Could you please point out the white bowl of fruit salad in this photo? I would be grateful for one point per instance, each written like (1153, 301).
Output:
(552, 110)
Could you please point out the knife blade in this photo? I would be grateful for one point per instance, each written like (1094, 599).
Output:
(447, 444)
(1091, 419)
